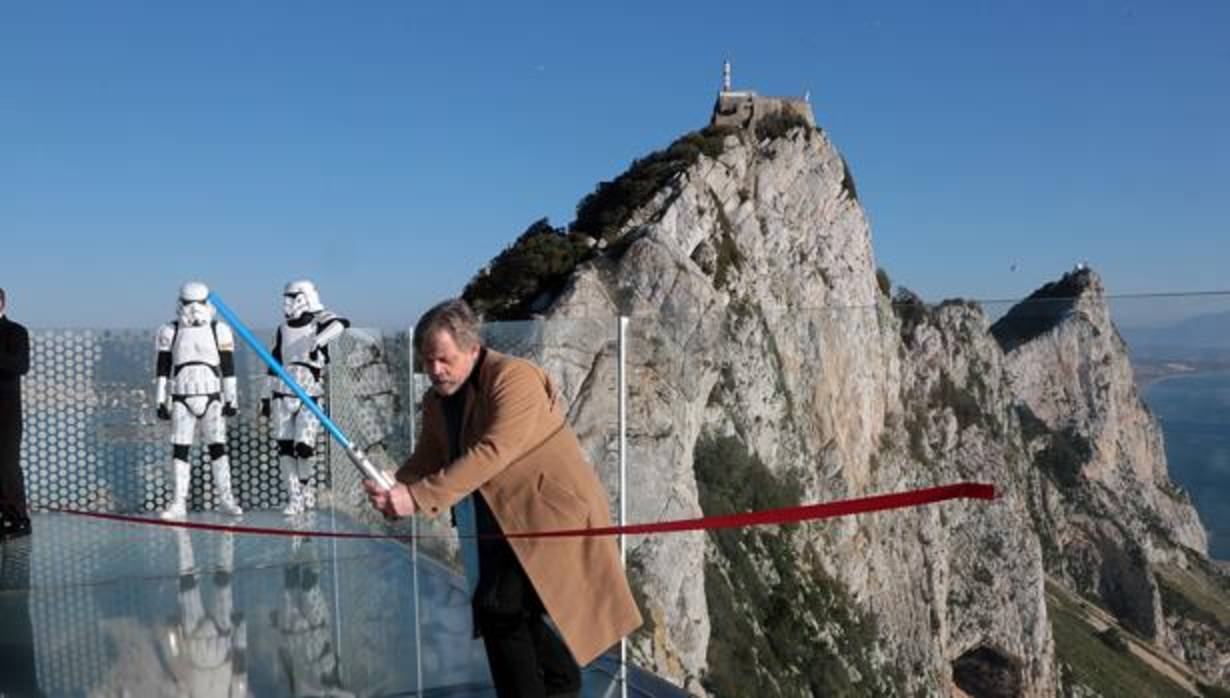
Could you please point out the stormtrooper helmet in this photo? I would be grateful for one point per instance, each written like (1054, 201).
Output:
(300, 297)
(194, 308)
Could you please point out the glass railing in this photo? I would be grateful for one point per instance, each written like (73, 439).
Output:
(338, 601)
(754, 408)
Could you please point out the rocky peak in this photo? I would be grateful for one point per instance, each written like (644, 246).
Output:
(1070, 368)
(1114, 526)
(768, 367)
(763, 346)
(1050, 305)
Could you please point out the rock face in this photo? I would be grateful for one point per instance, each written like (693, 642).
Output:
(1110, 519)
(767, 367)
(1073, 374)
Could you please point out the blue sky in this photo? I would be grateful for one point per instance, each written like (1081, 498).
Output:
(388, 150)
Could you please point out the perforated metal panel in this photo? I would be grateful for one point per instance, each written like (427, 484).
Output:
(92, 440)
(368, 387)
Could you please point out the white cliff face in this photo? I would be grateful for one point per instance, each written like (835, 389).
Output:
(1077, 375)
(958, 425)
(756, 314)
(766, 367)
(1118, 520)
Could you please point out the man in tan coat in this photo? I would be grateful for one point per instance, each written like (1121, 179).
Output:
(495, 437)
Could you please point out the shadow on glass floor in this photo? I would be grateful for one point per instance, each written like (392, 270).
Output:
(91, 607)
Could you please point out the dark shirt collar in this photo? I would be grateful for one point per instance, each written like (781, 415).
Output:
(472, 379)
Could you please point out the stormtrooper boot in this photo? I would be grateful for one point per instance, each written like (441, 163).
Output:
(290, 479)
(309, 495)
(224, 605)
(304, 467)
(187, 560)
(181, 471)
(222, 486)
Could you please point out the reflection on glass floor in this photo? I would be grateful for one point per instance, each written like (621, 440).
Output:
(91, 607)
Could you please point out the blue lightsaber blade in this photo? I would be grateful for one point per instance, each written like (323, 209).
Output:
(356, 454)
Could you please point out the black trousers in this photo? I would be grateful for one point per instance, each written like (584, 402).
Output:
(527, 658)
(12, 482)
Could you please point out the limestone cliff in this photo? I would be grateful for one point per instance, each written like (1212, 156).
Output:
(1114, 527)
(769, 367)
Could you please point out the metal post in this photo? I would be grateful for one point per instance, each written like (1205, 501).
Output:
(331, 399)
(414, 520)
(622, 372)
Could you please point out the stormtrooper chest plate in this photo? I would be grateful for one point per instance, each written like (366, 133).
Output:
(297, 345)
(197, 366)
(300, 357)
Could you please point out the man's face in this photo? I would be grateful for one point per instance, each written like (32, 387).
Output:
(446, 364)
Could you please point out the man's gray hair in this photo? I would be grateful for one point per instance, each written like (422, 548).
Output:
(453, 316)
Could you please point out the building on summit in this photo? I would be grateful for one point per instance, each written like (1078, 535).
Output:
(744, 108)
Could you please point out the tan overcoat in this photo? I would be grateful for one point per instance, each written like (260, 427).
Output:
(518, 450)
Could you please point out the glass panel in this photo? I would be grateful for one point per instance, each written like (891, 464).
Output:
(104, 605)
(106, 598)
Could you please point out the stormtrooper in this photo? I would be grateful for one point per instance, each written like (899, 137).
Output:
(301, 345)
(197, 648)
(306, 652)
(196, 388)
(204, 648)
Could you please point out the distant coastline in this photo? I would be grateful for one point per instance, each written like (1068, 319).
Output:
(1150, 372)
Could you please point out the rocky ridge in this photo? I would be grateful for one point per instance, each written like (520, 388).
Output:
(769, 367)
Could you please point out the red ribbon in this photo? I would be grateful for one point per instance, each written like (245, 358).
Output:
(785, 515)
(809, 512)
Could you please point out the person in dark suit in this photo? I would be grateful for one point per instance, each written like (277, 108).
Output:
(14, 362)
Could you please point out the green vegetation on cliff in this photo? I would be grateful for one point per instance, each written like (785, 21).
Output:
(532, 270)
(780, 626)
(1100, 661)
(536, 265)
(604, 211)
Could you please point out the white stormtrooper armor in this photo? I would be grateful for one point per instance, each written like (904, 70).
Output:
(301, 345)
(205, 649)
(306, 650)
(196, 387)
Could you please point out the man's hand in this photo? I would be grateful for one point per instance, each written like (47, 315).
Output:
(230, 409)
(164, 412)
(265, 407)
(396, 502)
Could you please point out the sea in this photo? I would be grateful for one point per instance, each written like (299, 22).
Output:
(1194, 411)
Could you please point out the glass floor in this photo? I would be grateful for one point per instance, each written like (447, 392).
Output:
(92, 607)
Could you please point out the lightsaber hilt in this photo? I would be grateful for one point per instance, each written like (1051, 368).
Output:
(369, 469)
(356, 454)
